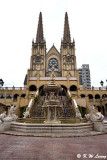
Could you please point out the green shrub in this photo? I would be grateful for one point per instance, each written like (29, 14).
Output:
(36, 99)
(80, 109)
(69, 99)
(24, 110)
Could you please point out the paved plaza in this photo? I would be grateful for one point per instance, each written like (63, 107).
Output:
(36, 148)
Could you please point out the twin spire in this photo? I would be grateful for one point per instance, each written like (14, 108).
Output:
(40, 36)
(66, 36)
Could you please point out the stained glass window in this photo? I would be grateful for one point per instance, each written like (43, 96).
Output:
(53, 62)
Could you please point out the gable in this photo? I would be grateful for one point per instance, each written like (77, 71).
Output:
(53, 52)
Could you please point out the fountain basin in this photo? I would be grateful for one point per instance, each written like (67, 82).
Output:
(52, 102)
(52, 88)
(52, 129)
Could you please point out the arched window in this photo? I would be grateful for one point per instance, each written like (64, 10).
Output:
(63, 91)
(41, 91)
(82, 95)
(73, 88)
(9, 96)
(1, 96)
(15, 97)
(53, 62)
(104, 96)
(23, 95)
(97, 96)
(32, 88)
(90, 96)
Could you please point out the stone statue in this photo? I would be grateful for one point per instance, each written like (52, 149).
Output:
(2, 116)
(92, 117)
(26, 113)
(78, 114)
(99, 116)
(53, 74)
(12, 116)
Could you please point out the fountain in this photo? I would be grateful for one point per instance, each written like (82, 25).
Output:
(52, 109)
(52, 101)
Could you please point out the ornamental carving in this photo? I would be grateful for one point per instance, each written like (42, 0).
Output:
(69, 59)
(37, 59)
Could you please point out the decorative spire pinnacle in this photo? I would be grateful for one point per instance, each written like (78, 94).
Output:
(39, 36)
(66, 36)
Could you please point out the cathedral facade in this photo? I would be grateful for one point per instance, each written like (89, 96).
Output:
(66, 72)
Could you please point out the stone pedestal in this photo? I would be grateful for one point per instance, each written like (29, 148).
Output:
(99, 126)
(51, 114)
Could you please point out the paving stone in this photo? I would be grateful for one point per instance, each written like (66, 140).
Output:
(40, 148)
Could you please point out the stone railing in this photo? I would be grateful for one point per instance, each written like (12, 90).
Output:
(96, 88)
(97, 100)
(90, 100)
(12, 88)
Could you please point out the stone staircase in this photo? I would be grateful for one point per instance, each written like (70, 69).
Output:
(69, 111)
(36, 110)
(66, 110)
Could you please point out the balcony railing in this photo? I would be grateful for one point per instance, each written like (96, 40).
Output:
(90, 100)
(97, 100)
(12, 88)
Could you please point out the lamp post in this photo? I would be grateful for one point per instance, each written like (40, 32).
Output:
(1, 82)
(106, 84)
(101, 83)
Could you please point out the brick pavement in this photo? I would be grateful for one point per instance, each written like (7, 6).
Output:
(37, 148)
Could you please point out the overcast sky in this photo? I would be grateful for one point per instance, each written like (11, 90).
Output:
(18, 26)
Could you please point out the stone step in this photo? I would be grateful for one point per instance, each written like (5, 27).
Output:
(105, 125)
(51, 128)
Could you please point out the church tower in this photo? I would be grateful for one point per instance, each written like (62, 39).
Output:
(68, 58)
(37, 62)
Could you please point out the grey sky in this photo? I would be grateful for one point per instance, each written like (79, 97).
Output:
(18, 26)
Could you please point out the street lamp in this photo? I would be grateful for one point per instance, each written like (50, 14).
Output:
(101, 83)
(1, 82)
(106, 84)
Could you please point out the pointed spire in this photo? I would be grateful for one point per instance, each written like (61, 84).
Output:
(66, 36)
(40, 36)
